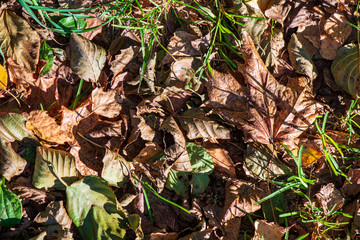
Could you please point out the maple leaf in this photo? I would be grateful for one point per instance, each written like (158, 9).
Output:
(267, 111)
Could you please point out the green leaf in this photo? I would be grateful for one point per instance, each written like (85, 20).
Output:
(10, 207)
(197, 125)
(273, 207)
(19, 41)
(115, 170)
(86, 58)
(93, 207)
(11, 164)
(12, 127)
(202, 166)
(46, 54)
(61, 163)
(345, 69)
(70, 23)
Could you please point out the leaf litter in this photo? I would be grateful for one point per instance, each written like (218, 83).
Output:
(179, 120)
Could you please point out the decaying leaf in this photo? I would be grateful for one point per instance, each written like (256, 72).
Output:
(12, 127)
(266, 110)
(278, 11)
(345, 69)
(55, 213)
(51, 164)
(352, 187)
(198, 125)
(116, 169)
(19, 41)
(300, 58)
(122, 59)
(330, 198)
(182, 71)
(45, 127)
(271, 46)
(104, 103)
(11, 164)
(268, 231)
(87, 59)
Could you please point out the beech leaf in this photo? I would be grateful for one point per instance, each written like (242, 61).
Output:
(12, 127)
(3, 78)
(267, 111)
(197, 125)
(87, 59)
(104, 103)
(61, 163)
(11, 164)
(116, 169)
(93, 207)
(18, 41)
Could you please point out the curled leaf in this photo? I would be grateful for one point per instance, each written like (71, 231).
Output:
(11, 164)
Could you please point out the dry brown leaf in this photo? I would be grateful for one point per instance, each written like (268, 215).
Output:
(352, 186)
(180, 46)
(55, 213)
(240, 199)
(164, 236)
(222, 161)
(19, 41)
(336, 31)
(182, 71)
(122, 59)
(267, 111)
(92, 22)
(177, 151)
(105, 103)
(328, 197)
(278, 11)
(146, 154)
(45, 127)
(28, 193)
(268, 231)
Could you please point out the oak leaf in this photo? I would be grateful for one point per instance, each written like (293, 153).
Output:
(267, 111)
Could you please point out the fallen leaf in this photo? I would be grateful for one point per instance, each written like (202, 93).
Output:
(198, 125)
(345, 69)
(222, 161)
(351, 187)
(87, 59)
(11, 164)
(105, 103)
(164, 236)
(51, 164)
(33, 194)
(271, 45)
(182, 71)
(240, 199)
(336, 31)
(330, 198)
(180, 46)
(149, 74)
(12, 127)
(18, 41)
(278, 11)
(55, 213)
(45, 127)
(268, 231)
(355, 225)
(10, 205)
(46, 54)
(3, 78)
(150, 151)
(267, 111)
(123, 58)
(300, 58)
(90, 23)
(116, 169)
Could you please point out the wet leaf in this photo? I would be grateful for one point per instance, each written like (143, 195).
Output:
(93, 207)
(198, 125)
(104, 103)
(345, 69)
(11, 164)
(49, 161)
(10, 207)
(116, 169)
(267, 111)
(87, 59)
(46, 128)
(3, 78)
(46, 54)
(18, 41)
(300, 58)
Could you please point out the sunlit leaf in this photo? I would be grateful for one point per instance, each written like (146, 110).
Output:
(11, 164)
(46, 54)
(116, 169)
(10, 207)
(49, 161)
(3, 78)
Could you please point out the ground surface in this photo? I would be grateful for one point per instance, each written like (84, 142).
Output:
(179, 119)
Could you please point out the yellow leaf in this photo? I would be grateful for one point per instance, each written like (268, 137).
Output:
(3, 78)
